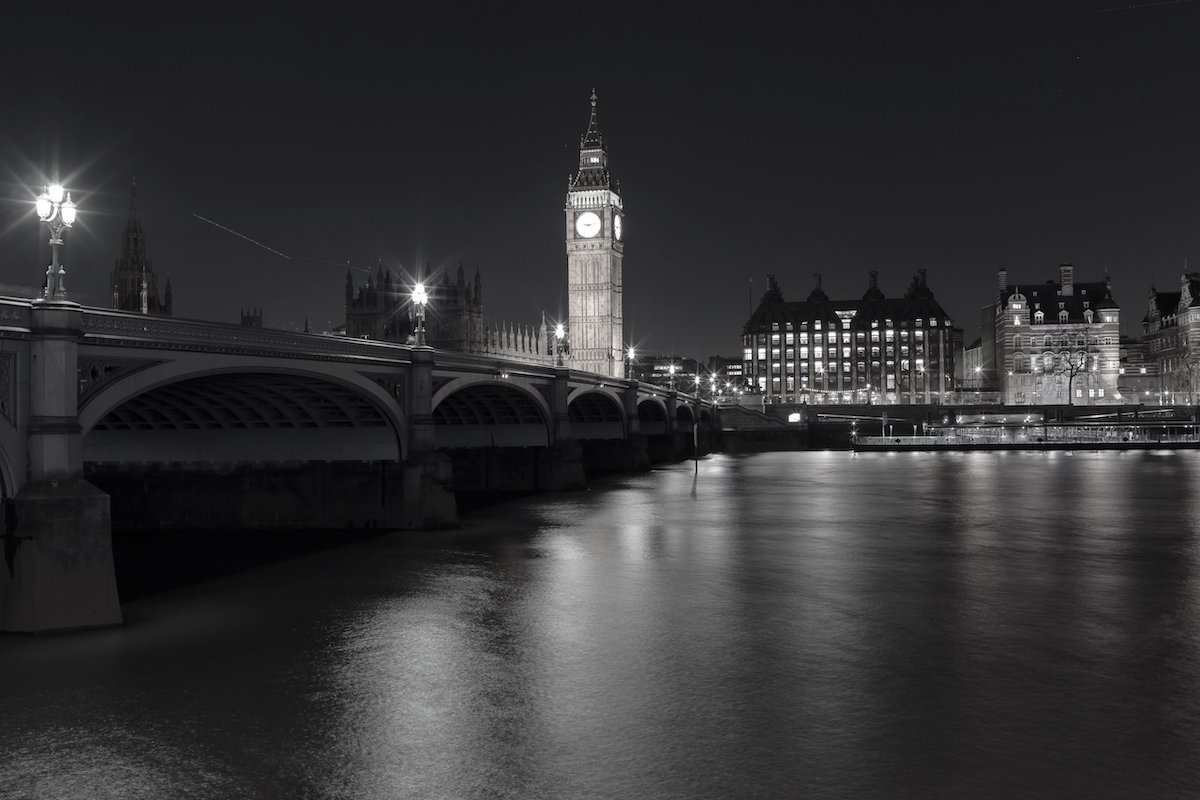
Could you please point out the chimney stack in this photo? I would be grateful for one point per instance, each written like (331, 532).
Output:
(1066, 277)
(1002, 281)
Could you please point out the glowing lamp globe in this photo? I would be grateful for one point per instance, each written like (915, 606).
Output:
(68, 211)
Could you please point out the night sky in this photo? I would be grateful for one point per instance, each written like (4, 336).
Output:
(840, 138)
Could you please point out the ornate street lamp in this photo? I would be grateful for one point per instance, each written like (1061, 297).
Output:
(629, 355)
(672, 371)
(560, 337)
(420, 299)
(59, 214)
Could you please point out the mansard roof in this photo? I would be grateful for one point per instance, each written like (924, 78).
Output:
(918, 303)
(1046, 297)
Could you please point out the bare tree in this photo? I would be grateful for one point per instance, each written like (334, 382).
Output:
(1187, 376)
(1068, 356)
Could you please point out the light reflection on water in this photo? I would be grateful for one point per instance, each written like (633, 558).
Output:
(780, 625)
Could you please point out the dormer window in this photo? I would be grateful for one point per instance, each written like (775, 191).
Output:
(1062, 316)
(1087, 316)
(1038, 318)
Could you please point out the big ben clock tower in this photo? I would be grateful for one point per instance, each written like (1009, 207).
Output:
(595, 248)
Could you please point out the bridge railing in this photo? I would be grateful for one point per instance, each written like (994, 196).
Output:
(120, 327)
(14, 315)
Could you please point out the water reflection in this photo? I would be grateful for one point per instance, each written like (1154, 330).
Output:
(780, 625)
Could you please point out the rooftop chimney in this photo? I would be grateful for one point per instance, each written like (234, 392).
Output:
(1002, 281)
(1066, 277)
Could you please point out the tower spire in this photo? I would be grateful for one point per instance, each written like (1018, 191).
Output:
(592, 139)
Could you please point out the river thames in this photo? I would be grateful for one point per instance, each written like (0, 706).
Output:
(781, 625)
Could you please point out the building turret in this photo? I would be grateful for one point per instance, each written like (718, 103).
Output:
(133, 282)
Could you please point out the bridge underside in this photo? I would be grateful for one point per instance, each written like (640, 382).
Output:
(243, 417)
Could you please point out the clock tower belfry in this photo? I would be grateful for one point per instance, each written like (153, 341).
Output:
(595, 248)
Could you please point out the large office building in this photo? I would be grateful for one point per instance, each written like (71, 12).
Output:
(1053, 343)
(595, 249)
(874, 349)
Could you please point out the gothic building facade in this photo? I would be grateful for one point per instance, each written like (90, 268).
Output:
(134, 285)
(595, 250)
(871, 350)
(382, 308)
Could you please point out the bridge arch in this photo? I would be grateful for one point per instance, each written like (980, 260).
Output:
(652, 416)
(471, 413)
(596, 413)
(684, 416)
(182, 411)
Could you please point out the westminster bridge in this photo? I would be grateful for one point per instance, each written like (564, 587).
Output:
(110, 418)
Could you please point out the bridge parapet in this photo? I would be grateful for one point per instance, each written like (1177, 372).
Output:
(125, 328)
(14, 316)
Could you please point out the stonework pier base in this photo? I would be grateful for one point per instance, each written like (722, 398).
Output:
(58, 563)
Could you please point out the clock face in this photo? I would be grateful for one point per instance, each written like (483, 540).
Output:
(587, 224)
(617, 225)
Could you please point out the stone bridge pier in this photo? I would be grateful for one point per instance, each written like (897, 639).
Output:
(58, 571)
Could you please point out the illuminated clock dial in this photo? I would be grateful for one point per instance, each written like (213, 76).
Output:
(587, 224)
(617, 225)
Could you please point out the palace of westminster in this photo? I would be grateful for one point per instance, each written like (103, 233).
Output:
(1050, 342)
